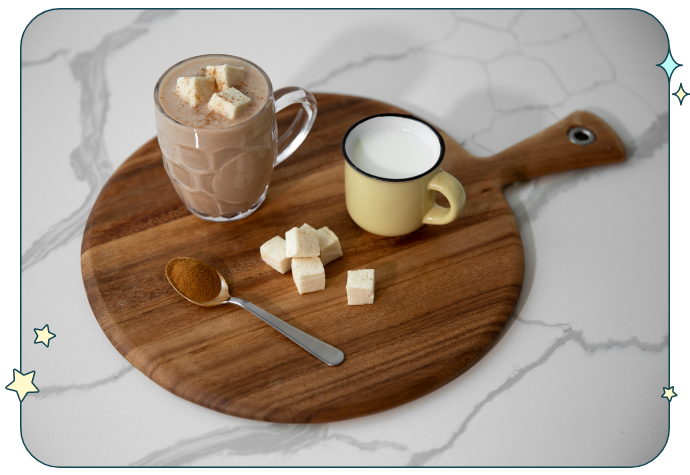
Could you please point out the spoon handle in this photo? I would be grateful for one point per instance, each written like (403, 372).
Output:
(326, 353)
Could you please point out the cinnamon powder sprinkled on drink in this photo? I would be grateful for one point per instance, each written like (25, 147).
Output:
(194, 279)
(252, 85)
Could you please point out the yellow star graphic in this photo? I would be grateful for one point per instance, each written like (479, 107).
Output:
(680, 94)
(669, 393)
(22, 384)
(43, 335)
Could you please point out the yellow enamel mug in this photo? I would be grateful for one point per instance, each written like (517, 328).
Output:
(392, 174)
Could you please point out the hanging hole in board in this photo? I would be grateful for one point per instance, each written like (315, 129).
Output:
(581, 136)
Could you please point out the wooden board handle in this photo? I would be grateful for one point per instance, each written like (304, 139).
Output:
(552, 151)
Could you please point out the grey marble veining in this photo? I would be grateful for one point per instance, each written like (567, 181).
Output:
(422, 458)
(48, 59)
(518, 50)
(89, 160)
(50, 391)
(243, 440)
(366, 60)
(271, 438)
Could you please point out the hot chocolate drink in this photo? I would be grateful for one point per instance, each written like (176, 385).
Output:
(219, 166)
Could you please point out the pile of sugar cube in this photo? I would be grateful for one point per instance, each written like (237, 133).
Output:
(216, 88)
(306, 250)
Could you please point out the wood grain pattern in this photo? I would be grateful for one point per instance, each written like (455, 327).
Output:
(443, 293)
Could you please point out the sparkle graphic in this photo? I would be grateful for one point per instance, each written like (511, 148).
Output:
(680, 94)
(669, 393)
(43, 335)
(22, 384)
(669, 65)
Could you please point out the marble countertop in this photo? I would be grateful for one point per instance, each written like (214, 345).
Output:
(593, 315)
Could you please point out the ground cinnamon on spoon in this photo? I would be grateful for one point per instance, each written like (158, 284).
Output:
(194, 279)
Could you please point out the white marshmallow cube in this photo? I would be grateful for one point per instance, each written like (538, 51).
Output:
(195, 90)
(305, 228)
(302, 242)
(225, 76)
(229, 103)
(360, 287)
(308, 274)
(329, 245)
(273, 253)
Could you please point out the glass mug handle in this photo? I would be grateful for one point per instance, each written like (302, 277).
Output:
(451, 188)
(300, 127)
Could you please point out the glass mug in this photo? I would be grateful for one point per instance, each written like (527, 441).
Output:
(222, 174)
(384, 198)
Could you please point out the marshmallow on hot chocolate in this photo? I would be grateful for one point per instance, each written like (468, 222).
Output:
(228, 103)
(195, 90)
(225, 76)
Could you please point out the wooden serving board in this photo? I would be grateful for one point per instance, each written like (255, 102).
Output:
(443, 293)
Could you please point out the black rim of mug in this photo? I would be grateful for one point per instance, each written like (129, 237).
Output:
(442, 152)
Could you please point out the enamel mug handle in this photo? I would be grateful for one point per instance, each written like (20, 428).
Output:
(451, 188)
(300, 127)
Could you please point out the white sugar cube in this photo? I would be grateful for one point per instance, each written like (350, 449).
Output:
(225, 76)
(302, 242)
(195, 90)
(229, 103)
(308, 274)
(360, 287)
(273, 253)
(329, 245)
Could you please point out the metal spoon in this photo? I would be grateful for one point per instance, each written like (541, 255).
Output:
(326, 353)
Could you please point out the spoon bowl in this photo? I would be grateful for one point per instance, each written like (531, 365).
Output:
(222, 296)
(323, 351)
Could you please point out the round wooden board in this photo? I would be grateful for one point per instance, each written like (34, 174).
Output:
(443, 293)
